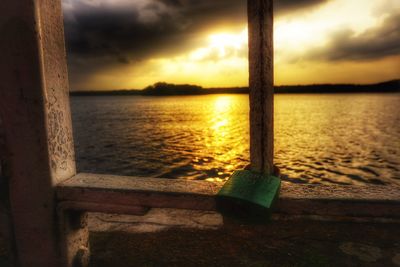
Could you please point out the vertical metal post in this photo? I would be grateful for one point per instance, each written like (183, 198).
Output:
(34, 108)
(261, 84)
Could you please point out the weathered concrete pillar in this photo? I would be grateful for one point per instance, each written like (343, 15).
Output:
(34, 108)
(261, 83)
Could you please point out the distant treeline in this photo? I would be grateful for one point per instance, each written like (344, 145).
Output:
(166, 89)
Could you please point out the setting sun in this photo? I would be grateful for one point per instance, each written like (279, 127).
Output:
(227, 41)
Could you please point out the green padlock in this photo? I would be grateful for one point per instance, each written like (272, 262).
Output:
(248, 196)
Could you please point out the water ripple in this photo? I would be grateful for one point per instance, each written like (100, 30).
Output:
(330, 139)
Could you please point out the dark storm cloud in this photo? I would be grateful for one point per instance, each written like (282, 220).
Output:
(172, 2)
(133, 32)
(292, 5)
(375, 43)
(137, 32)
(103, 33)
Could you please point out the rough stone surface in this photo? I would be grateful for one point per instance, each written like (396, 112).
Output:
(156, 220)
(396, 259)
(362, 252)
(280, 243)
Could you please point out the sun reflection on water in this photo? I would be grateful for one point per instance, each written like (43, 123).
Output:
(222, 128)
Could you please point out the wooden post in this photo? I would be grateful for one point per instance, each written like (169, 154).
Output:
(34, 108)
(261, 84)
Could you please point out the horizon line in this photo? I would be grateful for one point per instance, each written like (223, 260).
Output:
(234, 87)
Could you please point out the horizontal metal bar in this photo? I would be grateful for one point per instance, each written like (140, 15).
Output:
(121, 193)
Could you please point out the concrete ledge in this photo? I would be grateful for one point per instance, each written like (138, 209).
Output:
(155, 220)
(132, 195)
(373, 201)
(138, 191)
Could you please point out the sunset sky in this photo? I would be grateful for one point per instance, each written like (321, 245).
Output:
(130, 44)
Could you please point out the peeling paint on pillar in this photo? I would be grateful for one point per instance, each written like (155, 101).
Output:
(59, 136)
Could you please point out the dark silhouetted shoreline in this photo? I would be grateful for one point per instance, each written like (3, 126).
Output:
(165, 89)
